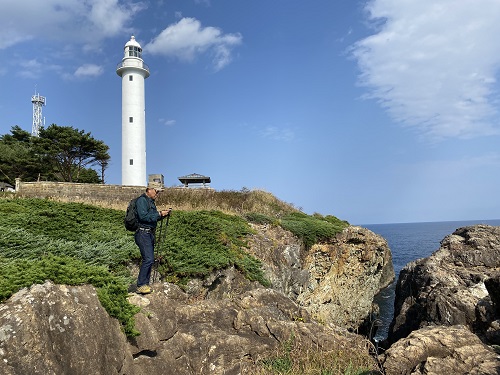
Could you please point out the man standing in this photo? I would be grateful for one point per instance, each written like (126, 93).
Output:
(148, 217)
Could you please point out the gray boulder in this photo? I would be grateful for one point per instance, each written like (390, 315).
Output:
(441, 350)
(56, 329)
(448, 288)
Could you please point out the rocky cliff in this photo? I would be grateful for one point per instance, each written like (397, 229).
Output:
(447, 308)
(55, 329)
(334, 282)
(448, 287)
(345, 275)
(447, 313)
(221, 325)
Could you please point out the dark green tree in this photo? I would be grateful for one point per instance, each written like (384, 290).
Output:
(17, 158)
(88, 176)
(102, 159)
(60, 153)
(17, 135)
(70, 151)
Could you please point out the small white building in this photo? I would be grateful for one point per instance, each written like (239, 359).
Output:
(157, 181)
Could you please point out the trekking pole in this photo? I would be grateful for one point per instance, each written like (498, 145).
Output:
(163, 234)
(157, 248)
(160, 239)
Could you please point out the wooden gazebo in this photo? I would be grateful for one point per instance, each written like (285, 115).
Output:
(196, 179)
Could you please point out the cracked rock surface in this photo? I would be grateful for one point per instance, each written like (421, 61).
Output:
(56, 329)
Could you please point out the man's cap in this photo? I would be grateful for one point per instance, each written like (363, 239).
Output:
(156, 187)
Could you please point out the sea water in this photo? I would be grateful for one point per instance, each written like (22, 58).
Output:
(408, 242)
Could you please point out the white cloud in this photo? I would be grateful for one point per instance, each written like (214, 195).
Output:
(72, 21)
(277, 134)
(111, 16)
(203, 2)
(89, 70)
(167, 122)
(34, 68)
(187, 39)
(436, 172)
(30, 68)
(432, 64)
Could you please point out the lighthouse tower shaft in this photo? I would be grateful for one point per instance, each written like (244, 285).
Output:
(133, 72)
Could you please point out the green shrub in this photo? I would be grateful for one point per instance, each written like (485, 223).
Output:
(113, 297)
(199, 242)
(258, 218)
(252, 269)
(31, 228)
(73, 243)
(68, 243)
(313, 229)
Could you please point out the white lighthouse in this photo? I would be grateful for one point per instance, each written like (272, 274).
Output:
(133, 71)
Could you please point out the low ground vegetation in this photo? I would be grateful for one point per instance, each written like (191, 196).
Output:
(294, 358)
(228, 201)
(75, 243)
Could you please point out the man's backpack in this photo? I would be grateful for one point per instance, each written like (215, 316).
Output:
(130, 221)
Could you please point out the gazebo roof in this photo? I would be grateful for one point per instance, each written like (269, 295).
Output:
(194, 178)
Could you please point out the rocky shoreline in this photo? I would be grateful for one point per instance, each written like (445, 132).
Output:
(446, 316)
(446, 312)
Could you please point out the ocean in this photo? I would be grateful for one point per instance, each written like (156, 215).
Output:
(408, 242)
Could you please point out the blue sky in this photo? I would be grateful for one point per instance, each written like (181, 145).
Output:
(376, 111)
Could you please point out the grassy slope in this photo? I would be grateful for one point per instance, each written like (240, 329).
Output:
(74, 243)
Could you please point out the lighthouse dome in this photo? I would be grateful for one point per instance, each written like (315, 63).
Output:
(132, 42)
(133, 48)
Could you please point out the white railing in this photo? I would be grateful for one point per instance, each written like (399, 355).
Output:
(133, 64)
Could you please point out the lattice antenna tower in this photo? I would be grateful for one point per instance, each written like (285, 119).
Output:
(38, 120)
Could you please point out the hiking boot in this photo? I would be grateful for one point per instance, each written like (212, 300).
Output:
(144, 289)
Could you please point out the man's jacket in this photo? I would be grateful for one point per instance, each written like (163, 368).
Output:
(147, 214)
